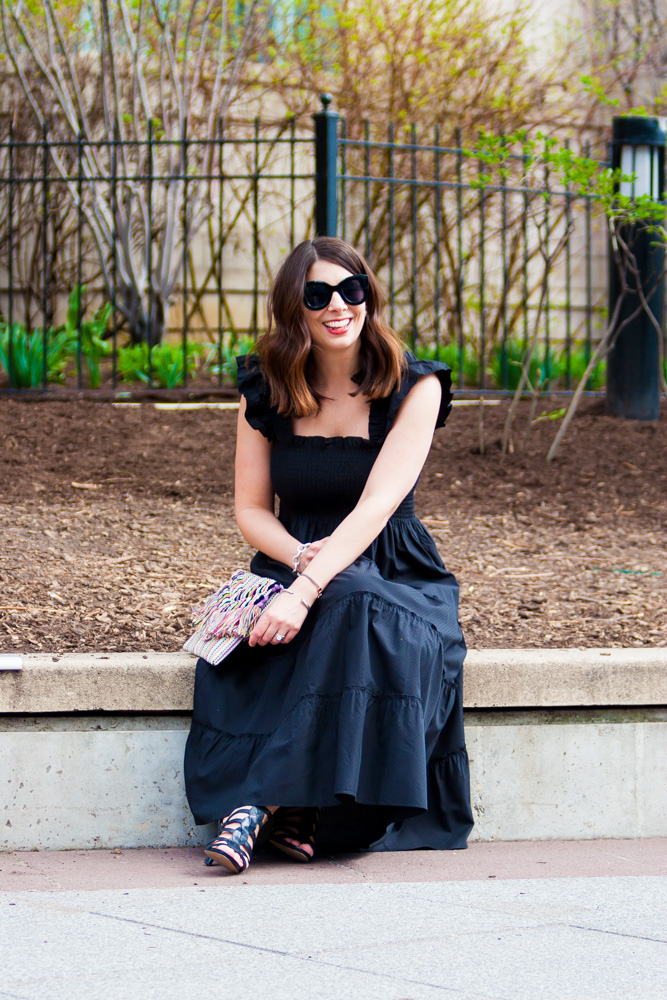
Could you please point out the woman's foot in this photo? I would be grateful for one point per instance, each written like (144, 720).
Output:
(237, 836)
(293, 832)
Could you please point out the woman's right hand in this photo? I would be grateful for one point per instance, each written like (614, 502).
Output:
(284, 616)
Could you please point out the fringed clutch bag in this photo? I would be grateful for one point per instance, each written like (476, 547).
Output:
(228, 616)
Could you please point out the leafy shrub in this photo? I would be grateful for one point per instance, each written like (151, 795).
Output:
(506, 364)
(557, 369)
(450, 354)
(232, 347)
(22, 355)
(578, 361)
(163, 366)
(93, 346)
(62, 345)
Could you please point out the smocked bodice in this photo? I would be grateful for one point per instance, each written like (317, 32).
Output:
(319, 480)
(324, 477)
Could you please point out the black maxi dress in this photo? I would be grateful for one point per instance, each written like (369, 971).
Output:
(361, 714)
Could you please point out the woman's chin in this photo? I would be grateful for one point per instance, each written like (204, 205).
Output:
(338, 341)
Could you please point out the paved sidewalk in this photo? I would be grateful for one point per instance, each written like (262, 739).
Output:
(580, 920)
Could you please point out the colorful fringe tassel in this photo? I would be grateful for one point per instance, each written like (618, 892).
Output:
(228, 616)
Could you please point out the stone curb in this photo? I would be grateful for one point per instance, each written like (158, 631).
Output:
(494, 679)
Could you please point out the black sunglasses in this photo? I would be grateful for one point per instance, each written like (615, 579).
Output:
(353, 290)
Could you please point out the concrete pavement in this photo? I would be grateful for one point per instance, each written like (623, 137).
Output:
(584, 920)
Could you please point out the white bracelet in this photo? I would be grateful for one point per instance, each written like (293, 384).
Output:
(296, 558)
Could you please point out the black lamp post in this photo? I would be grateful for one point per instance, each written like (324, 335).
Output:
(326, 169)
(633, 377)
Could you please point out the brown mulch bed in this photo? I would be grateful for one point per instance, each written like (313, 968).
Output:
(116, 520)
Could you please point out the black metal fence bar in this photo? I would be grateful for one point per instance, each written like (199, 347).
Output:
(589, 280)
(568, 289)
(436, 290)
(482, 276)
(460, 264)
(503, 232)
(452, 185)
(45, 269)
(392, 244)
(10, 253)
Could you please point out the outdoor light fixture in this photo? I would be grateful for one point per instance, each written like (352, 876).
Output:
(633, 376)
(646, 162)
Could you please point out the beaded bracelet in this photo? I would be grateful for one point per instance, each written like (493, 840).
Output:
(296, 558)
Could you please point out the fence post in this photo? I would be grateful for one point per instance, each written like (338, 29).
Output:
(326, 169)
(633, 377)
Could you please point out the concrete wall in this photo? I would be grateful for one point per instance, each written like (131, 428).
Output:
(563, 744)
(577, 776)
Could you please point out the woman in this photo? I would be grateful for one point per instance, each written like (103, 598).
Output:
(346, 701)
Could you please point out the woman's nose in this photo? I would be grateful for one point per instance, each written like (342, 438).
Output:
(337, 301)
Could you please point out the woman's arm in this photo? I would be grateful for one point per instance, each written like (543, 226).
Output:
(253, 494)
(395, 472)
(393, 475)
(253, 504)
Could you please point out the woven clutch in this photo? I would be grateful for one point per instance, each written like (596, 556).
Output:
(228, 616)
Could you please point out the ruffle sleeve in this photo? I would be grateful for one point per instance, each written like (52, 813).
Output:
(416, 369)
(252, 385)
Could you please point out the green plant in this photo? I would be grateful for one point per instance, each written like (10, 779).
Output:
(579, 358)
(93, 346)
(451, 355)
(25, 355)
(232, 347)
(506, 364)
(163, 366)
(553, 415)
(23, 358)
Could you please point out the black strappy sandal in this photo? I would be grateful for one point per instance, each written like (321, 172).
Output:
(237, 834)
(293, 823)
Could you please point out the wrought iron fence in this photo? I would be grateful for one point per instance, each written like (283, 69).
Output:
(170, 242)
(148, 261)
(476, 259)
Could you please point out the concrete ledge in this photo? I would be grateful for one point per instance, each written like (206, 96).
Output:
(99, 682)
(563, 744)
(564, 678)
(494, 678)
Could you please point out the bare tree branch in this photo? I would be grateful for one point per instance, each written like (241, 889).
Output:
(146, 241)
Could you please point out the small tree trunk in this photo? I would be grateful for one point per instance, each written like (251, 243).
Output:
(142, 328)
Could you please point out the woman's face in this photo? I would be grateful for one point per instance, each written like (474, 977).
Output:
(338, 326)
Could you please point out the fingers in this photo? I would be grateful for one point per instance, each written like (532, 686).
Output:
(311, 552)
(283, 618)
(287, 636)
(268, 635)
(262, 633)
(273, 631)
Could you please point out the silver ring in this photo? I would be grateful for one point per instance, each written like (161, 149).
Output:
(278, 637)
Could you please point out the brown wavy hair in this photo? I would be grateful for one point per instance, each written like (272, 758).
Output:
(285, 349)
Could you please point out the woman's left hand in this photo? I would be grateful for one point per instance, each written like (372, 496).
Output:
(284, 617)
